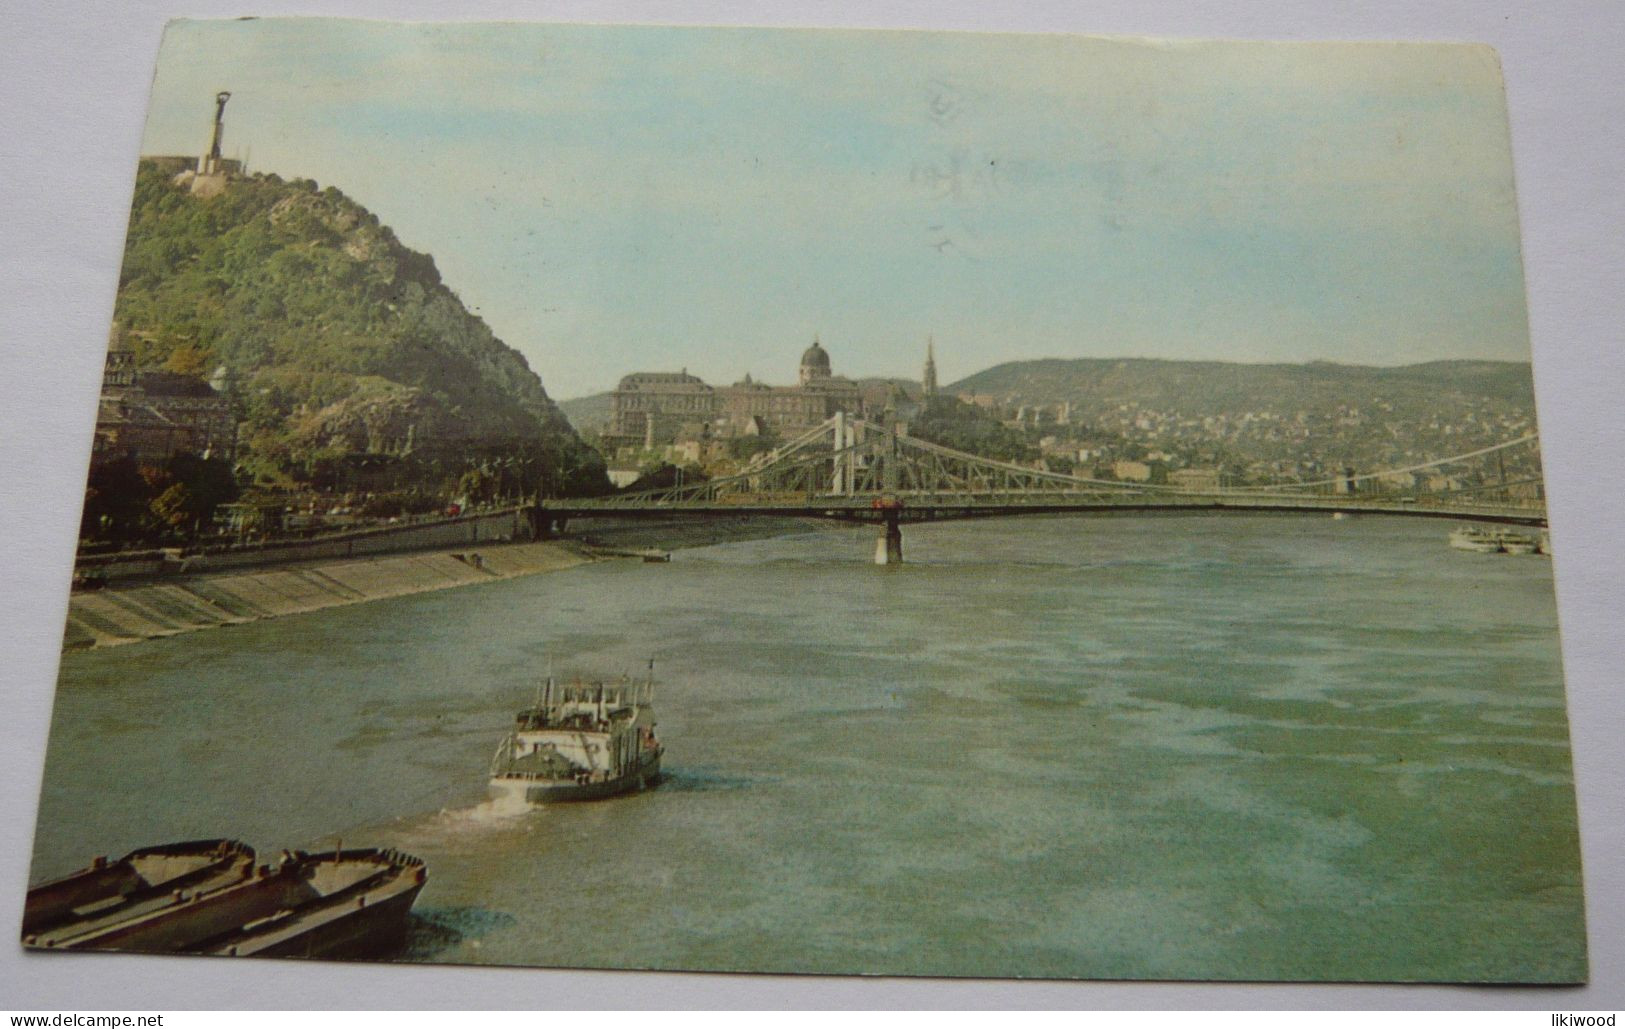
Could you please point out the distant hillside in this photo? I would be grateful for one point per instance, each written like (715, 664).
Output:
(1215, 387)
(588, 414)
(1281, 418)
(337, 339)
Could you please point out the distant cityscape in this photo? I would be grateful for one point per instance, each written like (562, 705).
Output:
(1202, 443)
(674, 419)
(280, 363)
(665, 416)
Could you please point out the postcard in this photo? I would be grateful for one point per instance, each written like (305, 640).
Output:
(806, 501)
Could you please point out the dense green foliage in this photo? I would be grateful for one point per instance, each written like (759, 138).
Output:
(339, 339)
(666, 475)
(127, 502)
(743, 448)
(950, 422)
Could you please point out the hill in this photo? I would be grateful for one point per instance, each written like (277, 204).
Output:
(1294, 417)
(338, 342)
(588, 414)
(1217, 387)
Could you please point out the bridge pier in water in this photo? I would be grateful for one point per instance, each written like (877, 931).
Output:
(889, 547)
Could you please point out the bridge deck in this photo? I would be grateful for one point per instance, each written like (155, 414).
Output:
(851, 470)
(944, 508)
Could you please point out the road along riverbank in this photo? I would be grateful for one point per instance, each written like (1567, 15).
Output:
(128, 612)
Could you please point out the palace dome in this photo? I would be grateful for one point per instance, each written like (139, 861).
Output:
(815, 362)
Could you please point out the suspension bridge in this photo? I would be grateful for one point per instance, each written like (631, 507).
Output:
(853, 470)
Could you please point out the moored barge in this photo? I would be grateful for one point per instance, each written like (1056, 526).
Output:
(144, 880)
(338, 903)
(335, 904)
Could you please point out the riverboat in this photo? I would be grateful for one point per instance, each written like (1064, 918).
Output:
(333, 904)
(1512, 543)
(1478, 541)
(1493, 541)
(580, 741)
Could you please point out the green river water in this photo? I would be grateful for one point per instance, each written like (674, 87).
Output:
(1191, 747)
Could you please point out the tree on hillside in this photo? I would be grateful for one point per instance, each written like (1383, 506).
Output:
(950, 422)
(116, 502)
(665, 476)
(207, 484)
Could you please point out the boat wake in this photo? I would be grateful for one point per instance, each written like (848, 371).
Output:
(434, 829)
(498, 808)
(494, 812)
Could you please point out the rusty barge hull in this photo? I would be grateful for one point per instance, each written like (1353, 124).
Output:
(360, 908)
(347, 903)
(148, 879)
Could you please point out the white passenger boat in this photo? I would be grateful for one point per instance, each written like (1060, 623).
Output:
(580, 741)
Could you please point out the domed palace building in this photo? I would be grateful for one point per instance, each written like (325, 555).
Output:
(660, 407)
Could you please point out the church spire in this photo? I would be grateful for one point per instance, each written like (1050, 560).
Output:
(929, 378)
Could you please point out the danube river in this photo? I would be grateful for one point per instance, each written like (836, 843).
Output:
(1189, 747)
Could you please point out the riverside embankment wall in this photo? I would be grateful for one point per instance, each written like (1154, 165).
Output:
(135, 611)
(164, 595)
(493, 527)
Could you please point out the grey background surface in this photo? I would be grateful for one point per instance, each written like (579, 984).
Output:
(73, 90)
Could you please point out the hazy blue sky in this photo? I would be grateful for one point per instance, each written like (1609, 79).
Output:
(613, 199)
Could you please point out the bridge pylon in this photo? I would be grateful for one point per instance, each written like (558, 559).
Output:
(889, 547)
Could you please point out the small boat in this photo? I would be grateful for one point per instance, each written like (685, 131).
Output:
(647, 555)
(1493, 541)
(338, 903)
(143, 880)
(580, 741)
(1479, 541)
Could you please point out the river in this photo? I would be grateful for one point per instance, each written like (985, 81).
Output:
(1182, 747)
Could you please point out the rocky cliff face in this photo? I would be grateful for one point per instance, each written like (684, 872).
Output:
(337, 338)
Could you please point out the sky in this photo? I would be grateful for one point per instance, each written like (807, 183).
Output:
(615, 199)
